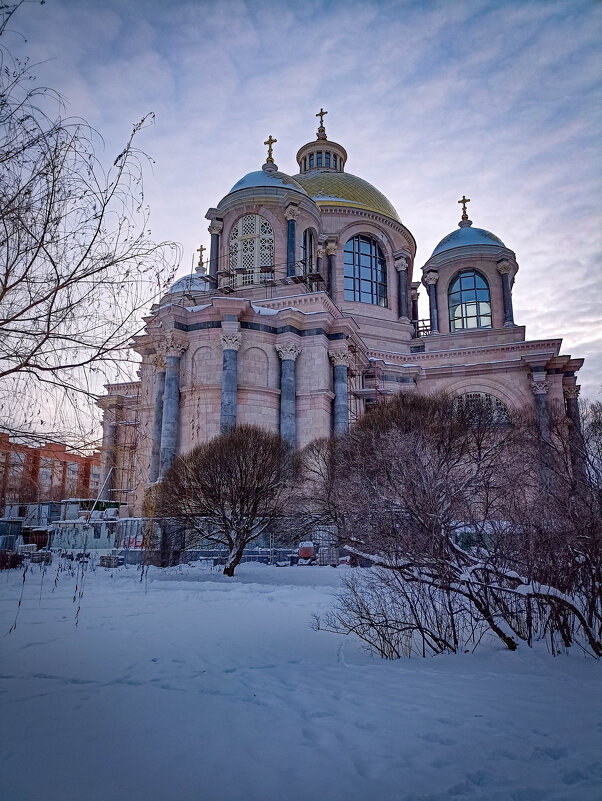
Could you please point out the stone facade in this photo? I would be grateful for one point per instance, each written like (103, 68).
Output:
(308, 313)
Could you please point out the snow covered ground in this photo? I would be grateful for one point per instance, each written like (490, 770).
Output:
(189, 686)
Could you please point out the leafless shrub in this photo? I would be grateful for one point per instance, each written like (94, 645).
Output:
(486, 516)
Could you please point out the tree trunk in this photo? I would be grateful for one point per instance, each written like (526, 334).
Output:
(233, 560)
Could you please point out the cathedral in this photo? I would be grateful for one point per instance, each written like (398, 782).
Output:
(306, 313)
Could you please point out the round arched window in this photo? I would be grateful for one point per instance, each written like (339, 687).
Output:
(469, 301)
(482, 403)
(251, 258)
(365, 271)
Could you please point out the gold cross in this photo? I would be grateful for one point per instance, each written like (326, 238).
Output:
(321, 114)
(200, 251)
(464, 201)
(269, 142)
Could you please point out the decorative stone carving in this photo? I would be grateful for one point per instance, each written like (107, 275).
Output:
(504, 267)
(288, 351)
(431, 278)
(216, 227)
(291, 212)
(571, 391)
(231, 341)
(172, 345)
(320, 253)
(401, 264)
(539, 384)
(331, 248)
(339, 357)
(158, 361)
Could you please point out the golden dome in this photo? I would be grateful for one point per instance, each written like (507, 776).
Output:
(332, 188)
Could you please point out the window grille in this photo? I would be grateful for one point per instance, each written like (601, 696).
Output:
(251, 251)
(476, 403)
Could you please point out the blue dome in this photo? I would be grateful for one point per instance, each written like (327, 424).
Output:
(467, 235)
(267, 178)
(190, 283)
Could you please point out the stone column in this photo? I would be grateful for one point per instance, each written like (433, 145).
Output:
(170, 422)
(320, 253)
(539, 387)
(215, 230)
(331, 250)
(230, 344)
(291, 213)
(430, 279)
(504, 268)
(415, 309)
(288, 415)
(576, 444)
(401, 265)
(340, 360)
(155, 462)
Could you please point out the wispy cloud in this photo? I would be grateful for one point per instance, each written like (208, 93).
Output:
(431, 99)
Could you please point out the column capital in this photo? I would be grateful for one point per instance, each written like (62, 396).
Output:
(539, 384)
(401, 264)
(504, 267)
(338, 357)
(172, 345)
(288, 351)
(331, 248)
(571, 391)
(320, 253)
(431, 278)
(216, 226)
(231, 341)
(158, 361)
(291, 212)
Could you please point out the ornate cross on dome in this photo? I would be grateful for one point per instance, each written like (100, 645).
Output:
(464, 201)
(321, 114)
(200, 251)
(269, 142)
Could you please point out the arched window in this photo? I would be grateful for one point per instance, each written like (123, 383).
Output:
(365, 271)
(307, 251)
(469, 301)
(477, 403)
(251, 250)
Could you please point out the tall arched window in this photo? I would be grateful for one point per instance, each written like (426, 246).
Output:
(365, 271)
(307, 251)
(469, 301)
(482, 402)
(251, 250)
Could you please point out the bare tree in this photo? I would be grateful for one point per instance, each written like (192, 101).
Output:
(77, 265)
(479, 513)
(230, 490)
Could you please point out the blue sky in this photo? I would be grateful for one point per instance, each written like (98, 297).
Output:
(497, 100)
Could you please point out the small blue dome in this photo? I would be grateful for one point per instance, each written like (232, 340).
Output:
(267, 178)
(467, 235)
(190, 283)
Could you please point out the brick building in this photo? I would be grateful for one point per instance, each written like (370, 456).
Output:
(45, 473)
